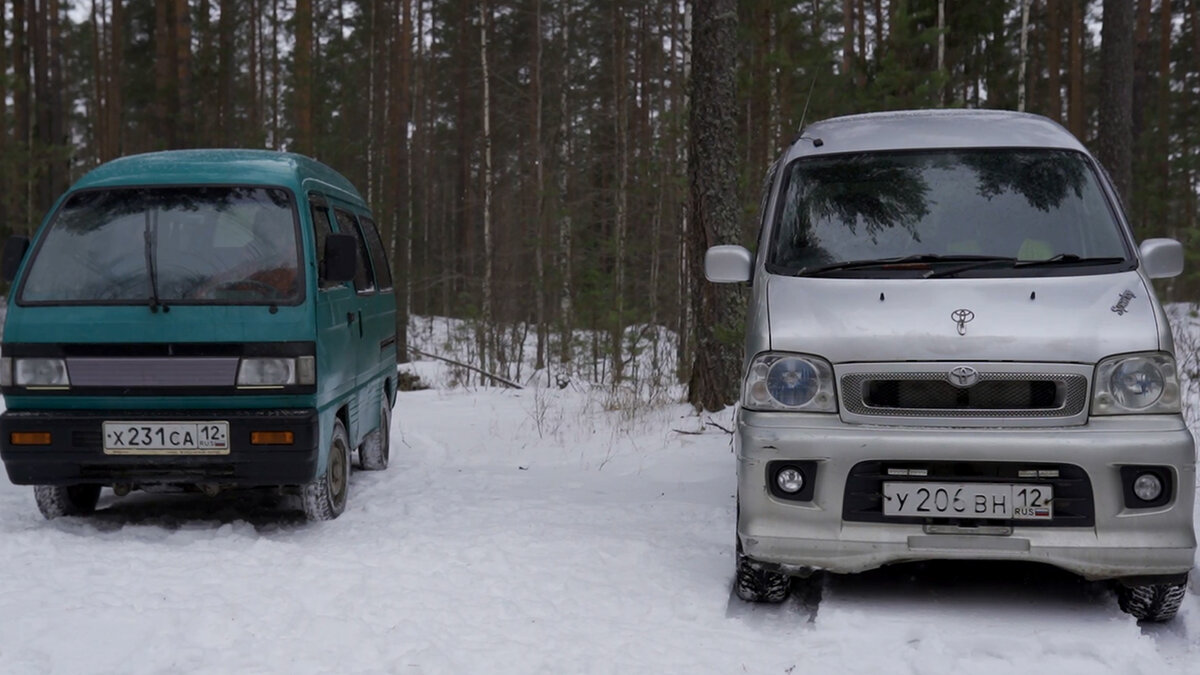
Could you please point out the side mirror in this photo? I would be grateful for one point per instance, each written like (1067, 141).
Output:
(341, 262)
(1162, 258)
(728, 264)
(14, 252)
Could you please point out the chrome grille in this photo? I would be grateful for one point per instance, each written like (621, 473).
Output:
(995, 395)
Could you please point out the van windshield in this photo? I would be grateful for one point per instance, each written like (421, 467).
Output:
(169, 245)
(939, 213)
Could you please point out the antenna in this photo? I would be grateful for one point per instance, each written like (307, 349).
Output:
(804, 115)
(807, 100)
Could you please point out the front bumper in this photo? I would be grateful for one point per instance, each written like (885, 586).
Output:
(76, 453)
(1119, 541)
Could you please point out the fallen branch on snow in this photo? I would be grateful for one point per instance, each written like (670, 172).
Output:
(491, 376)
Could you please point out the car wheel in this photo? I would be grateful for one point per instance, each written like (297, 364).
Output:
(756, 583)
(325, 497)
(375, 450)
(66, 500)
(1151, 602)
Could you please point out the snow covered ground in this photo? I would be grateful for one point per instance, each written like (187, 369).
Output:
(533, 531)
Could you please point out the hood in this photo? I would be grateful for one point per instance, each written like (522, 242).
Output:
(136, 324)
(1079, 319)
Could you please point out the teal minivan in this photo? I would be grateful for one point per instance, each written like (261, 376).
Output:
(199, 320)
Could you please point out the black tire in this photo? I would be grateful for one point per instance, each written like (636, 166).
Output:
(376, 448)
(325, 497)
(1151, 602)
(66, 500)
(756, 583)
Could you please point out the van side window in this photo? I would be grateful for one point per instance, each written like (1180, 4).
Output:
(347, 224)
(383, 272)
(322, 229)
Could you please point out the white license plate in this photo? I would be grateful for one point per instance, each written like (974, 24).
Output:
(166, 438)
(969, 500)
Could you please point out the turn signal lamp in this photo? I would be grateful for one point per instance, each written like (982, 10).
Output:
(29, 438)
(271, 438)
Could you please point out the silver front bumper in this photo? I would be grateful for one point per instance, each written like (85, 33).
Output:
(1123, 542)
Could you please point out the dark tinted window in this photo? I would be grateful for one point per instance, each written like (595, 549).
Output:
(1023, 204)
(190, 245)
(383, 272)
(362, 277)
(322, 229)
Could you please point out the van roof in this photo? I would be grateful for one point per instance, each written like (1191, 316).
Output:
(217, 166)
(922, 129)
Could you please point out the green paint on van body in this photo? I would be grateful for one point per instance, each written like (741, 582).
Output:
(128, 359)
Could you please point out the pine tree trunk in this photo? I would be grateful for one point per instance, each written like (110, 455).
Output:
(164, 86)
(621, 135)
(404, 96)
(184, 117)
(485, 357)
(714, 203)
(5, 171)
(1054, 60)
(684, 298)
(22, 100)
(99, 111)
(539, 236)
(564, 213)
(847, 33)
(303, 77)
(1024, 55)
(225, 72)
(1116, 95)
(116, 72)
(1143, 65)
(254, 108)
(1164, 97)
(61, 145)
(1076, 115)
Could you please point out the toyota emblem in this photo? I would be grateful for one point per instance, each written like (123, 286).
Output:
(963, 376)
(962, 317)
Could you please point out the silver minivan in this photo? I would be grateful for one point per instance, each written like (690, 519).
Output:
(954, 351)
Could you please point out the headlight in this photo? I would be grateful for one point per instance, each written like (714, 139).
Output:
(1136, 383)
(275, 372)
(789, 382)
(40, 373)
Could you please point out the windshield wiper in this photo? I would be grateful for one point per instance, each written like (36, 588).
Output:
(903, 260)
(150, 236)
(1060, 259)
(1069, 259)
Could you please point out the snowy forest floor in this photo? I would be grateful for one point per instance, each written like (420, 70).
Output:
(531, 531)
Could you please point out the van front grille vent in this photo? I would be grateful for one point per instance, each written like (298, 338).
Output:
(996, 394)
(179, 371)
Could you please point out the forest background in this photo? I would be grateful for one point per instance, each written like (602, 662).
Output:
(528, 160)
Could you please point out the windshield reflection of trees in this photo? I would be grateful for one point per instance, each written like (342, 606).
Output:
(93, 209)
(881, 192)
(1042, 177)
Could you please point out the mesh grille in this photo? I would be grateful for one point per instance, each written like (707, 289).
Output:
(1004, 394)
(178, 371)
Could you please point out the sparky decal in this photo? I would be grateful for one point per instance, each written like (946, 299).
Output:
(1122, 305)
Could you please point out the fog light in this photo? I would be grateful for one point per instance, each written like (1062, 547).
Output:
(790, 481)
(1147, 487)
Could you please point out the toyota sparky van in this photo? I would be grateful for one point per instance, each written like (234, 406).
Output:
(203, 320)
(954, 351)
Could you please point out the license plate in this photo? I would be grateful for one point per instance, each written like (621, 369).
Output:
(969, 500)
(166, 438)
